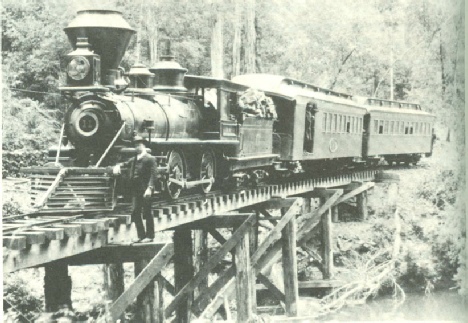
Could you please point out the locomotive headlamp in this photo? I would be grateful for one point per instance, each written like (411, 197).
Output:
(84, 68)
(78, 68)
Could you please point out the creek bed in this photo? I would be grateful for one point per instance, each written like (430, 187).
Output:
(438, 306)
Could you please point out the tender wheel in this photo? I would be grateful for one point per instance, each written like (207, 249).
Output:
(207, 170)
(176, 170)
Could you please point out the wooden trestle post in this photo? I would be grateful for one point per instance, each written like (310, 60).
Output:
(200, 256)
(145, 301)
(158, 308)
(327, 242)
(291, 284)
(335, 214)
(327, 245)
(183, 271)
(253, 245)
(245, 280)
(57, 287)
(361, 204)
(114, 281)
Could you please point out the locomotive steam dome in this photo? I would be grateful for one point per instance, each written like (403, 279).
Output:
(107, 32)
(168, 74)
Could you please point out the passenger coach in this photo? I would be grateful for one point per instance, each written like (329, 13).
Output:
(399, 132)
(317, 125)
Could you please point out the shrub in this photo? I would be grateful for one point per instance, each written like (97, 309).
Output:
(13, 161)
(16, 295)
(11, 208)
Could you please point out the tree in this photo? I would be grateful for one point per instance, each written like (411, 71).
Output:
(217, 47)
(236, 42)
(250, 37)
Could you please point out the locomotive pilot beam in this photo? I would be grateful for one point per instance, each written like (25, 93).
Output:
(208, 132)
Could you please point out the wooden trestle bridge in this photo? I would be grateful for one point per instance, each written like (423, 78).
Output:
(56, 242)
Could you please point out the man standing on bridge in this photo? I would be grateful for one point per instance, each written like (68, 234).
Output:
(143, 178)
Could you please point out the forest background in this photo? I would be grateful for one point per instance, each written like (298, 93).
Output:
(411, 50)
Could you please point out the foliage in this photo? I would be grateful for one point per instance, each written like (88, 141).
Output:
(11, 208)
(441, 188)
(13, 161)
(17, 295)
(27, 124)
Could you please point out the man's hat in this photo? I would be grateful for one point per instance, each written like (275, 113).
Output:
(138, 139)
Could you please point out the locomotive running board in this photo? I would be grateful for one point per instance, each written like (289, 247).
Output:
(56, 190)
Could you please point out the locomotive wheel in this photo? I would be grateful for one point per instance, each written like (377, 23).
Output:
(207, 170)
(176, 170)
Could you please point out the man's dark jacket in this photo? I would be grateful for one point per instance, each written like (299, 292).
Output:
(144, 172)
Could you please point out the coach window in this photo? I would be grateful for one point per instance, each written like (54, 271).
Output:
(397, 127)
(332, 125)
(329, 124)
(386, 127)
(348, 124)
(324, 123)
(416, 128)
(381, 123)
(340, 123)
(392, 126)
(376, 126)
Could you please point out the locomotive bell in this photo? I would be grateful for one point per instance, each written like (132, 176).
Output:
(108, 33)
(169, 75)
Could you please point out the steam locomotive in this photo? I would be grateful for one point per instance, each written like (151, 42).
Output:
(205, 130)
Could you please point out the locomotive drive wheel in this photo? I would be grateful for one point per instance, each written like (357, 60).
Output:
(176, 171)
(207, 170)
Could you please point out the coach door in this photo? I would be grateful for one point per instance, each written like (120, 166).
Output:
(311, 110)
(365, 135)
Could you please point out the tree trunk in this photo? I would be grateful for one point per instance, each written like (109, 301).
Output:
(441, 57)
(250, 37)
(236, 43)
(217, 49)
(152, 30)
(138, 36)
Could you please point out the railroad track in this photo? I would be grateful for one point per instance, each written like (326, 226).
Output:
(164, 209)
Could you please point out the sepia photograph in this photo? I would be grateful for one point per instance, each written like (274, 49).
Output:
(233, 161)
